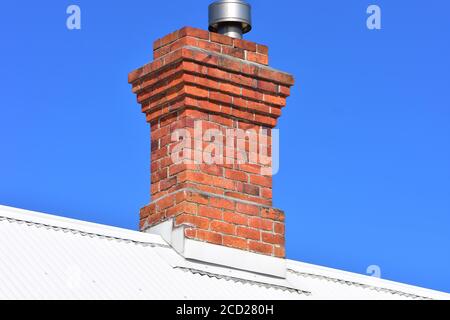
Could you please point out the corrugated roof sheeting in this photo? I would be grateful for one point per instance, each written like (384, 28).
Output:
(48, 257)
(39, 262)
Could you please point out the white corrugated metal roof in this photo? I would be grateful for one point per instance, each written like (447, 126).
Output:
(49, 257)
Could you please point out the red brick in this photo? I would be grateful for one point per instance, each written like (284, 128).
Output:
(213, 213)
(210, 46)
(235, 218)
(244, 44)
(167, 183)
(199, 222)
(250, 189)
(243, 80)
(271, 213)
(258, 58)
(260, 48)
(250, 168)
(246, 197)
(211, 237)
(176, 210)
(222, 120)
(259, 223)
(260, 247)
(261, 180)
(267, 86)
(155, 218)
(255, 95)
(248, 233)
(222, 39)
(210, 189)
(279, 228)
(196, 91)
(222, 227)
(220, 97)
(222, 203)
(145, 212)
(217, 73)
(235, 52)
(221, 182)
(284, 90)
(195, 114)
(159, 175)
(247, 208)
(197, 198)
(190, 233)
(166, 202)
(279, 252)
(230, 88)
(194, 32)
(235, 242)
(229, 64)
(273, 238)
(266, 193)
(213, 169)
(236, 175)
(176, 168)
(278, 101)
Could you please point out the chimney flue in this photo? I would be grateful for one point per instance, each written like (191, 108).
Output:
(230, 17)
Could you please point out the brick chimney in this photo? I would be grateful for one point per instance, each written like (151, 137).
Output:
(207, 95)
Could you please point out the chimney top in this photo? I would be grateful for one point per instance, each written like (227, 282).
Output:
(230, 17)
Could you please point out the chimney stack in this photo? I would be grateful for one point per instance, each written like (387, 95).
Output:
(212, 101)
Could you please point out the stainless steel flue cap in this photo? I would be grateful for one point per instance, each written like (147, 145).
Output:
(230, 17)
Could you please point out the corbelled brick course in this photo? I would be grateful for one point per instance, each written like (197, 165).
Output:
(226, 84)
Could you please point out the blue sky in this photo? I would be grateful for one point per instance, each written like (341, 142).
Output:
(365, 138)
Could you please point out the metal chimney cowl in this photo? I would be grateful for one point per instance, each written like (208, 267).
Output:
(230, 17)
